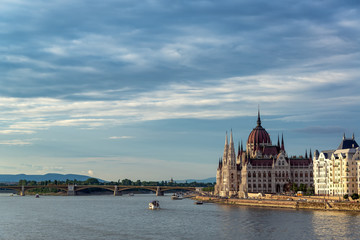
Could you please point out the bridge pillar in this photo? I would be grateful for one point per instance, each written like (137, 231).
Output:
(22, 192)
(71, 190)
(116, 191)
(159, 192)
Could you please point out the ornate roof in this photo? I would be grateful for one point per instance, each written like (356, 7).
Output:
(259, 135)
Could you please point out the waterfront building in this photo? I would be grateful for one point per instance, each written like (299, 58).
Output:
(336, 171)
(260, 168)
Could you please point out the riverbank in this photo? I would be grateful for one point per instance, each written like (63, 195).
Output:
(291, 203)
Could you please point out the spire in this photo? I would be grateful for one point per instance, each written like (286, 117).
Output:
(258, 120)
(231, 151)
(242, 150)
(306, 156)
(282, 142)
(239, 151)
(278, 144)
(226, 147)
(353, 137)
(310, 154)
(344, 136)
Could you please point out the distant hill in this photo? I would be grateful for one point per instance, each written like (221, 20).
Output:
(207, 180)
(7, 178)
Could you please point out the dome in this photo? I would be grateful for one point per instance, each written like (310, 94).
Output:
(259, 134)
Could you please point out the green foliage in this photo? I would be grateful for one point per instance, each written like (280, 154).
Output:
(208, 189)
(294, 187)
(346, 196)
(355, 196)
(92, 181)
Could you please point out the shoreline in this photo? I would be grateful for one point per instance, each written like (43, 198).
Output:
(273, 203)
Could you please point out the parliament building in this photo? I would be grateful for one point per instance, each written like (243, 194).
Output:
(260, 168)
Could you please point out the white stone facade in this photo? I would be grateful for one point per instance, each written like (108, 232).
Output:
(336, 172)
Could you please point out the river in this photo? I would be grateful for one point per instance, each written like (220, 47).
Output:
(127, 217)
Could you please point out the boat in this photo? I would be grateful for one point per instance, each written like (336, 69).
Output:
(154, 205)
(176, 197)
(198, 203)
(131, 194)
(37, 196)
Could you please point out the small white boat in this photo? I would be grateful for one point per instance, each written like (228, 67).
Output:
(176, 197)
(154, 205)
(131, 194)
(198, 203)
(37, 196)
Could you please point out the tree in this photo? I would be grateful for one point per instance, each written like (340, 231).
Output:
(355, 196)
(346, 196)
(92, 181)
(126, 182)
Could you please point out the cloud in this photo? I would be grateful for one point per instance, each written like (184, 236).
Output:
(15, 142)
(90, 172)
(121, 137)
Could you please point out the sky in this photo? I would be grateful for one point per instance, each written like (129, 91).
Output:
(147, 89)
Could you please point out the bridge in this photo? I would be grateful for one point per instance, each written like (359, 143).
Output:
(71, 190)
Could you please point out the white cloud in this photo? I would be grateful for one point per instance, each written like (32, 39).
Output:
(90, 172)
(15, 142)
(121, 137)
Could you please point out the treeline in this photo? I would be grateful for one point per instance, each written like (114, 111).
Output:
(127, 182)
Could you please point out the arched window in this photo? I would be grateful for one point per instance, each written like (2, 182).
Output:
(232, 176)
(254, 174)
(264, 174)
(275, 174)
(283, 174)
(269, 174)
(249, 174)
(287, 174)
(259, 174)
(301, 174)
(306, 174)
(296, 174)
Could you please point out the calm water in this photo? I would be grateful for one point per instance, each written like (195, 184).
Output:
(125, 217)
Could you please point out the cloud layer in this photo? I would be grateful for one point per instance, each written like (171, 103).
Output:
(95, 65)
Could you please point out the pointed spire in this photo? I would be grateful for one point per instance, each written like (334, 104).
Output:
(278, 144)
(353, 137)
(242, 149)
(226, 139)
(258, 120)
(306, 156)
(282, 142)
(231, 151)
(310, 155)
(344, 136)
(239, 151)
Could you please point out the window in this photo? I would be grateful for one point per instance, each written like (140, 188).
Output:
(249, 174)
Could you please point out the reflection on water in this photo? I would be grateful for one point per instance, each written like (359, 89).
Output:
(125, 217)
(338, 225)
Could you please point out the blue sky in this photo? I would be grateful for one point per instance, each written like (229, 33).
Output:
(147, 89)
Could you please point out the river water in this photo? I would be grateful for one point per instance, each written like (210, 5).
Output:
(127, 217)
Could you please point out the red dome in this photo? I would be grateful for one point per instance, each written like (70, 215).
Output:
(258, 134)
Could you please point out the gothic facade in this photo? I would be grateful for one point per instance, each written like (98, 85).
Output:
(260, 168)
